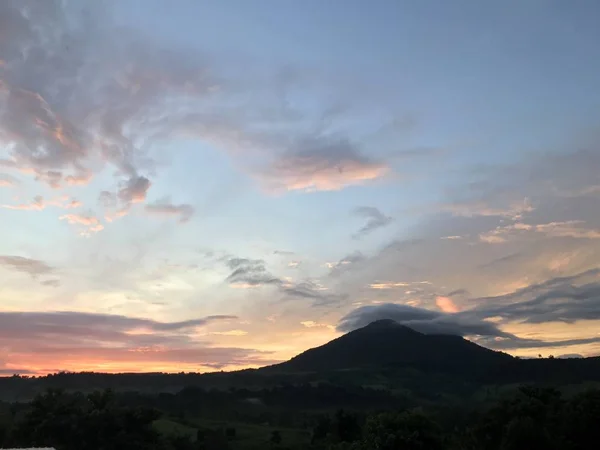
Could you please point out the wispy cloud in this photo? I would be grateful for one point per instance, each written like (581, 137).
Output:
(30, 266)
(183, 212)
(39, 204)
(374, 219)
(88, 223)
(83, 341)
(567, 229)
(8, 180)
(321, 165)
(453, 323)
(253, 273)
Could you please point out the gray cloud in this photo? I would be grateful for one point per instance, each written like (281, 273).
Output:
(374, 219)
(459, 324)
(165, 208)
(347, 263)
(96, 338)
(565, 299)
(420, 319)
(561, 299)
(313, 291)
(32, 267)
(250, 272)
(321, 164)
(91, 323)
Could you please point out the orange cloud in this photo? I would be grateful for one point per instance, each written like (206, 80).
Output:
(80, 179)
(91, 223)
(39, 204)
(565, 229)
(313, 324)
(230, 333)
(80, 219)
(388, 285)
(45, 342)
(392, 285)
(446, 304)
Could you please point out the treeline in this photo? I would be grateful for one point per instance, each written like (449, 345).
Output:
(531, 418)
(540, 370)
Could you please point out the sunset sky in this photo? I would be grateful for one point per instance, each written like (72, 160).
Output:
(211, 185)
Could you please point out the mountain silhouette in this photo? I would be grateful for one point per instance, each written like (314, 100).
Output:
(386, 343)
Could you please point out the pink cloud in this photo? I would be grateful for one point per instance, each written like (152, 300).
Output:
(39, 204)
(446, 304)
(42, 342)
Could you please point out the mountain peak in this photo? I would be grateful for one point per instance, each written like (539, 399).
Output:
(385, 343)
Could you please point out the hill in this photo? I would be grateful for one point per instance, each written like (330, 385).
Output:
(387, 344)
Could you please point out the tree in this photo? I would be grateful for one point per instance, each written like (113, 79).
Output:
(275, 437)
(346, 426)
(402, 431)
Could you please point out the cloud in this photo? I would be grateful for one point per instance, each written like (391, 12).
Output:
(568, 299)
(90, 223)
(420, 319)
(446, 304)
(75, 96)
(388, 285)
(164, 208)
(560, 299)
(513, 210)
(374, 219)
(8, 180)
(134, 190)
(313, 324)
(397, 284)
(39, 204)
(348, 262)
(80, 92)
(32, 267)
(458, 324)
(230, 333)
(566, 229)
(85, 341)
(311, 290)
(250, 272)
(321, 165)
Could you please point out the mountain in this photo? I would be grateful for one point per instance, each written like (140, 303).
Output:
(386, 343)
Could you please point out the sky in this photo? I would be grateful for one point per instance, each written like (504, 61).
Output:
(215, 185)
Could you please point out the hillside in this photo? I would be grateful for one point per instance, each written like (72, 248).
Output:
(386, 343)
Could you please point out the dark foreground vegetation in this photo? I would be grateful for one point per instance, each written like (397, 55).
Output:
(527, 418)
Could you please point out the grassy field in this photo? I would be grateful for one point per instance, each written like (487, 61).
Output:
(170, 427)
(251, 436)
(247, 436)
